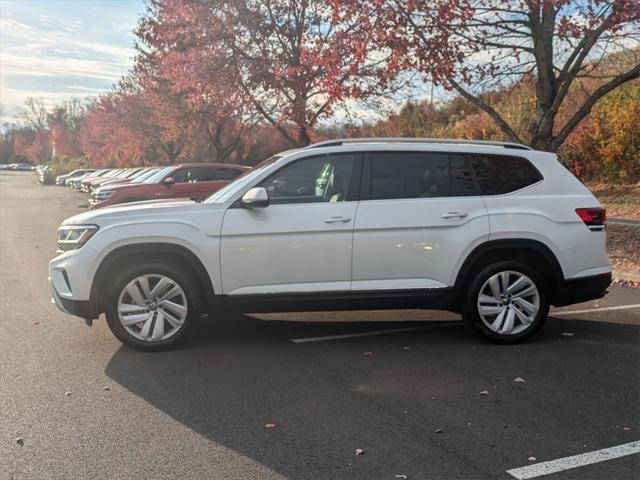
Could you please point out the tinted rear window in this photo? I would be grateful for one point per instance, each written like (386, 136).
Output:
(409, 175)
(501, 174)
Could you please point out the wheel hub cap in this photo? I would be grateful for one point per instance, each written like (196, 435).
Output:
(508, 302)
(152, 307)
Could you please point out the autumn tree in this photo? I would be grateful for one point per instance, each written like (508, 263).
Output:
(119, 129)
(474, 46)
(282, 58)
(208, 114)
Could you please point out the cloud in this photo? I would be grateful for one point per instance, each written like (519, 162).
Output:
(57, 51)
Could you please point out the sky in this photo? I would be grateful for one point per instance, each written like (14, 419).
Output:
(61, 49)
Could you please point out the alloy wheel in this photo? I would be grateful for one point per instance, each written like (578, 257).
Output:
(508, 302)
(152, 307)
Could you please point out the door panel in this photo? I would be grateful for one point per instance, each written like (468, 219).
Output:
(287, 248)
(302, 241)
(406, 244)
(420, 213)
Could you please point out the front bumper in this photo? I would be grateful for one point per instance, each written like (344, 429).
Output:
(79, 308)
(68, 275)
(582, 289)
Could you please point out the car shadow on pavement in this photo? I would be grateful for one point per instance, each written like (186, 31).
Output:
(410, 400)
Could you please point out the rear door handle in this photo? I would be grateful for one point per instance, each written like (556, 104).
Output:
(454, 215)
(337, 220)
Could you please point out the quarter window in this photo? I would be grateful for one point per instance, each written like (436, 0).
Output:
(317, 179)
(501, 174)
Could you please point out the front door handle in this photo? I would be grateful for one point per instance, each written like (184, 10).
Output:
(454, 215)
(337, 220)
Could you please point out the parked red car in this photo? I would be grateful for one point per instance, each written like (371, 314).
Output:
(191, 180)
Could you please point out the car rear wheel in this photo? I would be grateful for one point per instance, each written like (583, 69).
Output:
(151, 306)
(506, 302)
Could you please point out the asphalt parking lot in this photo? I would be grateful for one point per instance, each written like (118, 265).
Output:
(295, 395)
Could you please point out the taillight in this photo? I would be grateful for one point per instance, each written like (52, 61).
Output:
(593, 217)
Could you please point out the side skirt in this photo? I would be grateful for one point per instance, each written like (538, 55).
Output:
(435, 299)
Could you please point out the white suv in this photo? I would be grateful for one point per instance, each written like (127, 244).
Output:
(495, 231)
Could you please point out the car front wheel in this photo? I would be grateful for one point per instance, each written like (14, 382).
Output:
(151, 306)
(506, 302)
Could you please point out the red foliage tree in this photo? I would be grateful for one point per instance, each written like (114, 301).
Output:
(283, 59)
(474, 46)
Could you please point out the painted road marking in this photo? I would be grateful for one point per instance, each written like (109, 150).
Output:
(566, 463)
(446, 324)
(591, 310)
(370, 333)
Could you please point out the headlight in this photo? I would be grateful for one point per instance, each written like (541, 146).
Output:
(72, 237)
(103, 195)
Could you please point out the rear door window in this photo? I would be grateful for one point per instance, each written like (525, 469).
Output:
(409, 175)
(216, 174)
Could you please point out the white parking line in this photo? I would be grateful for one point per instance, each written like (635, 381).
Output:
(368, 334)
(447, 324)
(590, 310)
(566, 463)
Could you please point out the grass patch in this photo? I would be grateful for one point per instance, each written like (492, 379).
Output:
(622, 201)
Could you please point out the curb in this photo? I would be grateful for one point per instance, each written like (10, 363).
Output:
(627, 276)
(623, 221)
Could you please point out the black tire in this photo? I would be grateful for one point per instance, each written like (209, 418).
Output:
(470, 312)
(174, 272)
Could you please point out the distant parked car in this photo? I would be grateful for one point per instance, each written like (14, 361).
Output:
(76, 182)
(87, 182)
(22, 166)
(61, 179)
(107, 172)
(123, 177)
(195, 181)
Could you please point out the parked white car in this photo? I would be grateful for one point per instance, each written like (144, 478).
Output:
(496, 231)
(61, 179)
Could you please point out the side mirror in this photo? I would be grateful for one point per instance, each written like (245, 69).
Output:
(257, 197)
(169, 181)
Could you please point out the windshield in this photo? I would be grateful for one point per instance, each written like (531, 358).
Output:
(144, 175)
(239, 183)
(159, 175)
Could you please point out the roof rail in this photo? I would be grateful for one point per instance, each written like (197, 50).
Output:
(456, 141)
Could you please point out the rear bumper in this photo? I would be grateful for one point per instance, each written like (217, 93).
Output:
(582, 289)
